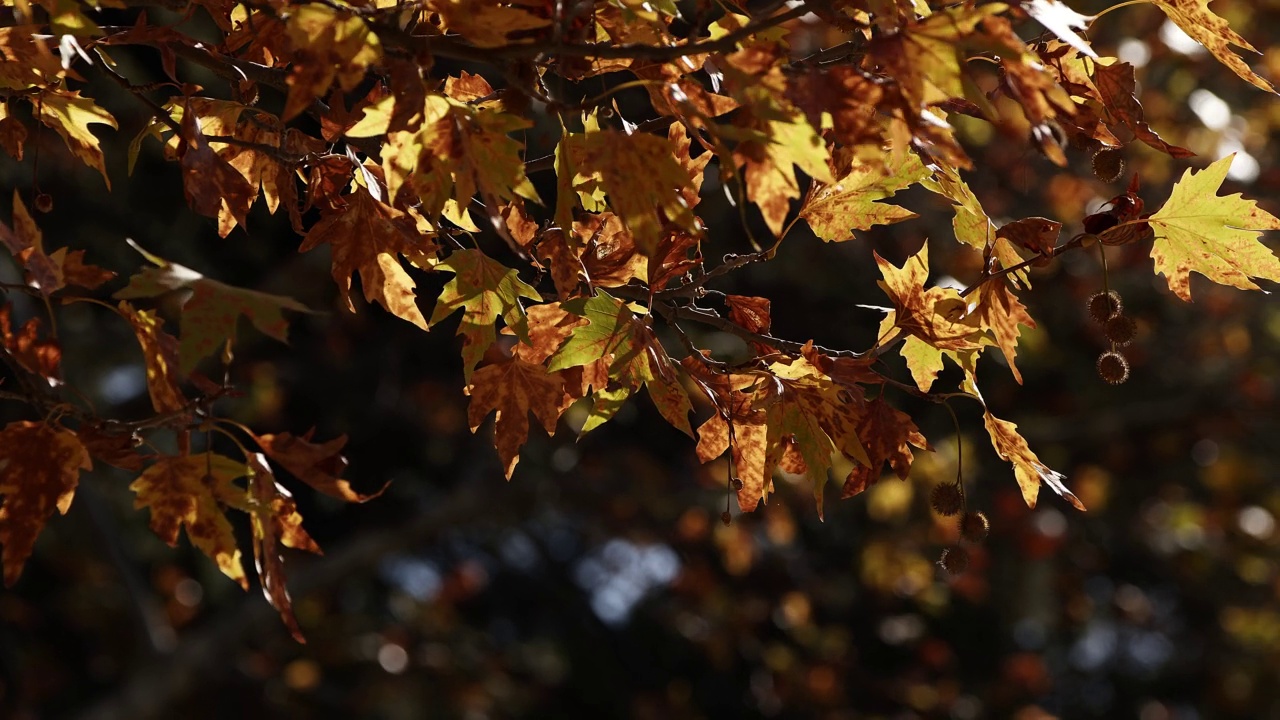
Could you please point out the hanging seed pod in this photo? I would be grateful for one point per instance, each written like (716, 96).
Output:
(946, 499)
(1108, 163)
(1120, 329)
(954, 560)
(974, 526)
(1103, 305)
(1113, 368)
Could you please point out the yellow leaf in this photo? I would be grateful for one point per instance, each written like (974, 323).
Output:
(71, 115)
(1197, 20)
(834, 210)
(1217, 236)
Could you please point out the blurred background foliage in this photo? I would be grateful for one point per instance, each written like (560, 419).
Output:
(600, 581)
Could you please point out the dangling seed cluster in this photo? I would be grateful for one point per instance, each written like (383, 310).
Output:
(947, 499)
(1108, 163)
(1107, 309)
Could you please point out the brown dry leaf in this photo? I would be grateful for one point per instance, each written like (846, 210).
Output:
(835, 210)
(213, 187)
(13, 134)
(489, 24)
(610, 258)
(40, 468)
(42, 357)
(1116, 87)
(192, 490)
(160, 352)
(76, 272)
(276, 524)
(846, 95)
(887, 435)
(367, 237)
(119, 450)
(566, 265)
(467, 88)
(319, 465)
(512, 388)
(1034, 234)
(936, 315)
(26, 243)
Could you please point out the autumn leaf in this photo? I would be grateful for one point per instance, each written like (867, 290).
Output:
(319, 465)
(512, 389)
(210, 314)
(642, 178)
(367, 237)
(191, 491)
(26, 243)
(833, 211)
(614, 333)
(1027, 468)
(212, 187)
(999, 312)
(887, 435)
(1217, 236)
(925, 57)
(1116, 86)
(488, 24)
(13, 134)
(76, 272)
(769, 163)
(40, 356)
(938, 315)
(160, 352)
(40, 467)
(71, 115)
(276, 523)
(1198, 21)
(485, 290)
(328, 45)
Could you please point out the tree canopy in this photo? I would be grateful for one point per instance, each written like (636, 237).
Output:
(545, 165)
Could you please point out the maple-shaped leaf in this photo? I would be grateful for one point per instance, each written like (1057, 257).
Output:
(972, 225)
(999, 312)
(191, 491)
(212, 187)
(737, 426)
(276, 524)
(888, 435)
(1197, 230)
(319, 465)
(40, 356)
(1116, 86)
(328, 45)
(76, 272)
(642, 178)
(1027, 468)
(926, 57)
(512, 388)
(160, 353)
(936, 315)
(210, 314)
(485, 290)
(71, 115)
(40, 467)
(490, 24)
(769, 162)
(1198, 21)
(26, 242)
(833, 211)
(615, 335)
(367, 237)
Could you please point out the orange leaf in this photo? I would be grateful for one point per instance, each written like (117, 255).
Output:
(41, 357)
(160, 351)
(1197, 20)
(276, 523)
(39, 470)
(512, 389)
(366, 237)
(319, 465)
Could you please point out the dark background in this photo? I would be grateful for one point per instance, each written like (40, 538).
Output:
(600, 582)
